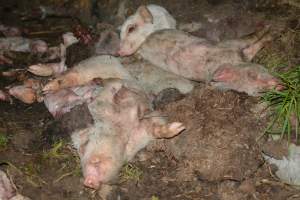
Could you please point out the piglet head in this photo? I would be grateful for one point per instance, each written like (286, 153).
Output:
(135, 30)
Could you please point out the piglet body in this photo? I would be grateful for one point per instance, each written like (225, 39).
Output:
(198, 59)
(192, 57)
(123, 126)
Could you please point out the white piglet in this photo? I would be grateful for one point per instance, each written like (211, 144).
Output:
(139, 26)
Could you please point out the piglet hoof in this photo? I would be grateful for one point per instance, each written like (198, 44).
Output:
(40, 70)
(168, 130)
(51, 86)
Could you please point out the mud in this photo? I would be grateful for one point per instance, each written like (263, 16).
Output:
(216, 158)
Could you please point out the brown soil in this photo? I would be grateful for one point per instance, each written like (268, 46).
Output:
(216, 158)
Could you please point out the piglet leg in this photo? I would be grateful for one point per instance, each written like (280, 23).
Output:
(67, 80)
(159, 128)
(168, 130)
(246, 41)
(252, 50)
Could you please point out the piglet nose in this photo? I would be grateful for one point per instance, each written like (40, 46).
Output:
(90, 182)
(120, 52)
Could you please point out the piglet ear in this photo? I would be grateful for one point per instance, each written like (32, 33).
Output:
(224, 74)
(145, 14)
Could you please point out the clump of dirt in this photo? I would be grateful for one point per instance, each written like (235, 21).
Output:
(219, 141)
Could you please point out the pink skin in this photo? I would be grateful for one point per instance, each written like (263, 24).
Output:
(69, 39)
(33, 83)
(38, 46)
(135, 30)
(248, 78)
(131, 44)
(95, 171)
(92, 174)
(225, 74)
(47, 69)
(6, 189)
(64, 100)
(198, 59)
(23, 93)
(139, 26)
(124, 132)
(61, 102)
(4, 96)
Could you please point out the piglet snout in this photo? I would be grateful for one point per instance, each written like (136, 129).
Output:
(121, 53)
(91, 182)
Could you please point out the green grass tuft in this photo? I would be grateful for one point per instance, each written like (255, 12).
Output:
(3, 140)
(285, 104)
(154, 198)
(131, 172)
(55, 152)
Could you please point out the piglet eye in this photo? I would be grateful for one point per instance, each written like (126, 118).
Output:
(131, 28)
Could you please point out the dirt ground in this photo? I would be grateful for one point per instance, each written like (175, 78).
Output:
(216, 158)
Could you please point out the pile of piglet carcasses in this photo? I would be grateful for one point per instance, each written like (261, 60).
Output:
(117, 96)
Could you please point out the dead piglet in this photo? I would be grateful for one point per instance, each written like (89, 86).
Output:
(246, 77)
(121, 129)
(185, 55)
(198, 59)
(85, 71)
